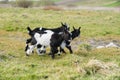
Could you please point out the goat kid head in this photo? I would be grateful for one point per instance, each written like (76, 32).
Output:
(75, 32)
(65, 26)
(29, 49)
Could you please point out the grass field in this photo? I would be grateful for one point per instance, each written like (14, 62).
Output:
(114, 4)
(15, 65)
(106, 3)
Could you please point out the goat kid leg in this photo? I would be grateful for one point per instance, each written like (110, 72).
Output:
(30, 50)
(43, 49)
(53, 51)
(69, 47)
(38, 50)
(62, 46)
(28, 40)
(61, 50)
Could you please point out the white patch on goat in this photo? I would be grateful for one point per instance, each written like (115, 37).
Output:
(40, 29)
(63, 45)
(28, 32)
(38, 51)
(59, 53)
(43, 48)
(60, 32)
(67, 26)
(44, 39)
(29, 51)
(71, 36)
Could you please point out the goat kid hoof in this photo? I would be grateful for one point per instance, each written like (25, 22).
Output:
(49, 54)
(27, 55)
(58, 54)
(53, 57)
(32, 51)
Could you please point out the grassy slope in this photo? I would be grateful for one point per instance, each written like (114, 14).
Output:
(107, 3)
(114, 4)
(97, 2)
(94, 22)
(14, 65)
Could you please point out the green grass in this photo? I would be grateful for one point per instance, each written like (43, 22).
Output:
(93, 22)
(114, 4)
(106, 3)
(94, 3)
(15, 65)
(56, 0)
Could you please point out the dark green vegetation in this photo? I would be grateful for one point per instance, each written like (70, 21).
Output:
(108, 3)
(32, 3)
(114, 4)
(14, 65)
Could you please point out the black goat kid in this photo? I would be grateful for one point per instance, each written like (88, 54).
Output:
(75, 33)
(56, 41)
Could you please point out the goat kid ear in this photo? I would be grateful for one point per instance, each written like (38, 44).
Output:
(68, 28)
(29, 29)
(73, 27)
(79, 28)
(65, 23)
(62, 23)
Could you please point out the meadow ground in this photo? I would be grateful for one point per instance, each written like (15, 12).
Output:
(98, 25)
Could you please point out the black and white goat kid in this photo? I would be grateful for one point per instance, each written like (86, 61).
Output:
(75, 33)
(48, 37)
(40, 48)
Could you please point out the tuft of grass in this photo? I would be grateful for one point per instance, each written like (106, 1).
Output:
(107, 3)
(52, 8)
(24, 3)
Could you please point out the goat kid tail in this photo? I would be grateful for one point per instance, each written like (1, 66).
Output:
(29, 31)
(28, 28)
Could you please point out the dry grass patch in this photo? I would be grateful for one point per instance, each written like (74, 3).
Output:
(97, 66)
(55, 8)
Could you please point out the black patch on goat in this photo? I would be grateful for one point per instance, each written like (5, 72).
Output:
(75, 33)
(26, 47)
(39, 46)
(56, 41)
(32, 32)
(41, 31)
